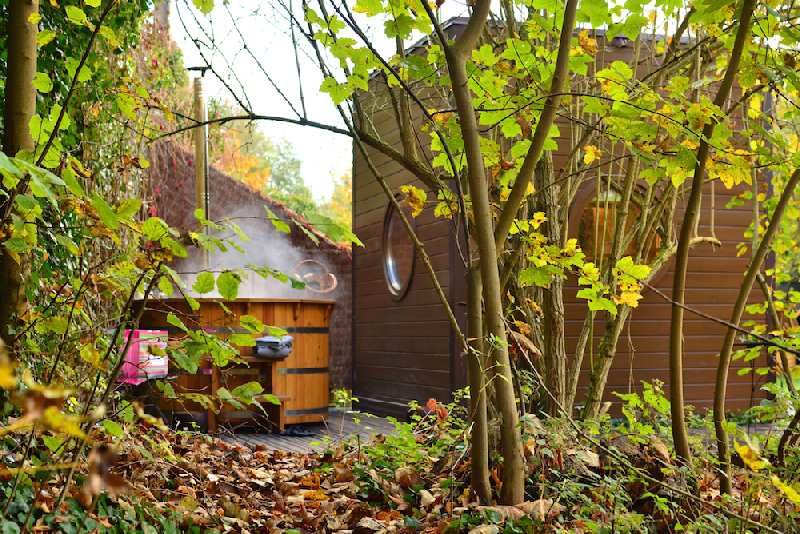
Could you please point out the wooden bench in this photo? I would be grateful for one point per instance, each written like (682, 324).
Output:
(261, 370)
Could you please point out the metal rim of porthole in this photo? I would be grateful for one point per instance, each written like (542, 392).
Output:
(397, 271)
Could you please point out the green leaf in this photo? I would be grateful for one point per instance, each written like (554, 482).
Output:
(337, 232)
(113, 428)
(93, 3)
(17, 244)
(42, 82)
(173, 246)
(52, 442)
(76, 16)
(279, 224)
(533, 276)
(57, 325)
(8, 166)
(40, 187)
(27, 203)
(275, 331)
(127, 208)
(9, 527)
(109, 34)
(595, 12)
(228, 285)
(204, 283)
(251, 323)
(205, 6)
(338, 92)
(72, 66)
(235, 227)
(166, 388)
(174, 321)
(193, 304)
(127, 105)
(154, 229)
(165, 285)
(224, 394)
(269, 397)
(68, 175)
(127, 414)
(308, 233)
(183, 361)
(370, 7)
(67, 243)
(248, 391)
(243, 340)
(44, 37)
(485, 55)
(105, 212)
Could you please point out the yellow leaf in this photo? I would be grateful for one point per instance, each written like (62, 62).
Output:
(53, 3)
(416, 198)
(691, 143)
(750, 457)
(531, 190)
(787, 490)
(628, 297)
(592, 153)
(7, 379)
(523, 327)
(588, 44)
(34, 18)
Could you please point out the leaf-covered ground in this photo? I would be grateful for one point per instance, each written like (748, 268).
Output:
(152, 480)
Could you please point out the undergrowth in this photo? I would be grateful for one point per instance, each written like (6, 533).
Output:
(596, 476)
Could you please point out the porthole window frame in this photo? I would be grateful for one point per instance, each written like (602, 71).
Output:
(581, 202)
(396, 291)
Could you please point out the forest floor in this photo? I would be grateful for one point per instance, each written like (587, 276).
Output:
(403, 478)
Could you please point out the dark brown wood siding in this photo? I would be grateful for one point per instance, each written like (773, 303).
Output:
(712, 285)
(392, 367)
(403, 349)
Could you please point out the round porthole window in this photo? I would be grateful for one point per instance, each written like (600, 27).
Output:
(398, 252)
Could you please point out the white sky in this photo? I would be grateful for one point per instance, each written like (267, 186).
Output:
(323, 154)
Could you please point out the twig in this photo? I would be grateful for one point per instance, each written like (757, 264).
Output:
(641, 473)
(253, 117)
(85, 56)
(765, 340)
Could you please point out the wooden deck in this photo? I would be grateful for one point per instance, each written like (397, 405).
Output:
(340, 426)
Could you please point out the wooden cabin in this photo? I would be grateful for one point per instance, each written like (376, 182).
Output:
(405, 349)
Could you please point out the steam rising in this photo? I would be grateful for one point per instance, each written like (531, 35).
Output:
(266, 248)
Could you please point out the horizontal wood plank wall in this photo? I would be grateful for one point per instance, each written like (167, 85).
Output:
(711, 287)
(402, 347)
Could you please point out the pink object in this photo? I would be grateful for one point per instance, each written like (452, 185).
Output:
(140, 363)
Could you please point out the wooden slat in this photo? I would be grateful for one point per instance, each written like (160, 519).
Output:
(341, 426)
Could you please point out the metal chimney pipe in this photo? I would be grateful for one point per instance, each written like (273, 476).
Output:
(201, 159)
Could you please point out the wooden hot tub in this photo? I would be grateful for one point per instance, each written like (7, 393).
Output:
(300, 381)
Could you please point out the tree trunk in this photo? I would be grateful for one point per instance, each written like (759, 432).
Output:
(679, 434)
(730, 334)
(20, 106)
(605, 357)
(553, 351)
(476, 362)
(512, 491)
